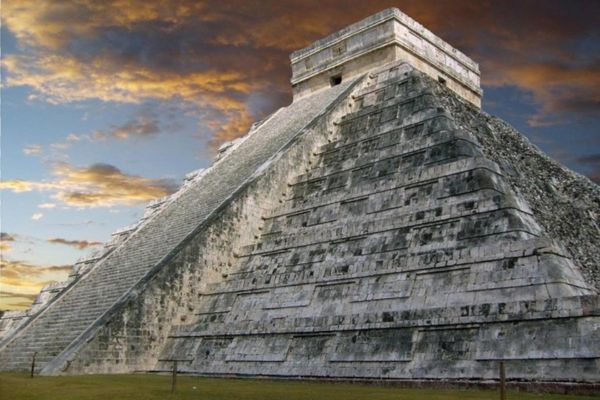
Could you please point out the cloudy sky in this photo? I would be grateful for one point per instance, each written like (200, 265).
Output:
(106, 105)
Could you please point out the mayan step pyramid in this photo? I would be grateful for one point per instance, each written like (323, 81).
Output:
(381, 226)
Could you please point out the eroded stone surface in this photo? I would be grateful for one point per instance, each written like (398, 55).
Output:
(565, 203)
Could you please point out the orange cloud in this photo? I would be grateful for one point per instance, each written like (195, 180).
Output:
(99, 185)
(20, 282)
(62, 79)
(18, 185)
(200, 73)
(559, 88)
(15, 300)
(102, 185)
(79, 244)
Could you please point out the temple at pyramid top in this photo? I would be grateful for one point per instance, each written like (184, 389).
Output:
(383, 37)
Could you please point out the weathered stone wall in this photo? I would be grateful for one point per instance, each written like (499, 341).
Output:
(565, 203)
(348, 70)
(10, 321)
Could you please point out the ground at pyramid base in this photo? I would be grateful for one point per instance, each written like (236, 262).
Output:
(381, 226)
(16, 386)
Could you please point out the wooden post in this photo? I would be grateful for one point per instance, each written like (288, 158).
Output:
(174, 377)
(33, 364)
(502, 381)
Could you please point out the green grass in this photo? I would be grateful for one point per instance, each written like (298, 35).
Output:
(149, 387)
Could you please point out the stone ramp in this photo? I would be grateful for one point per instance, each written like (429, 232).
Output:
(403, 252)
(79, 308)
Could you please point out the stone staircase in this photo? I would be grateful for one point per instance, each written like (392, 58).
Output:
(67, 318)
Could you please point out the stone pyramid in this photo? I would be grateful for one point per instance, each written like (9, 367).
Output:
(381, 227)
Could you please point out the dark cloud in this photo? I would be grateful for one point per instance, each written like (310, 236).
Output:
(5, 242)
(7, 237)
(141, 126)
(593, 159)
(79, 244)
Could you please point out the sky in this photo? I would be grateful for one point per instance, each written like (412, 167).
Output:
(106, 105)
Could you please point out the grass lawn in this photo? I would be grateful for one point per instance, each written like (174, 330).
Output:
(148, 387)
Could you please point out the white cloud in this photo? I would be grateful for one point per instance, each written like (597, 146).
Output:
(33, 150)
